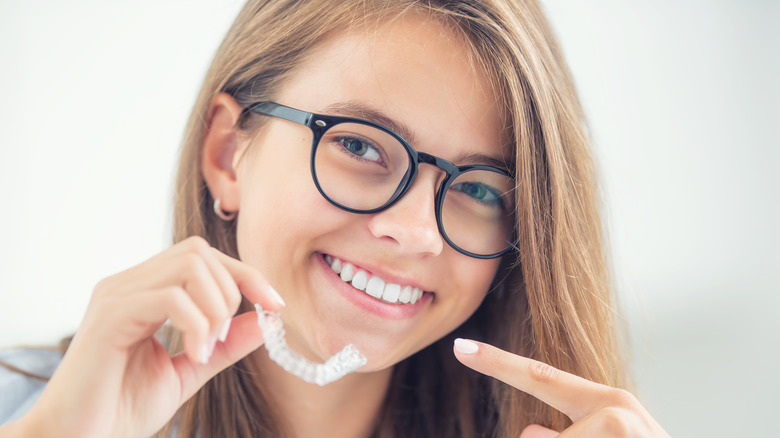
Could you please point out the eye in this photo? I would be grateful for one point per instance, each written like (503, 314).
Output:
(482, 193)
(360, 148)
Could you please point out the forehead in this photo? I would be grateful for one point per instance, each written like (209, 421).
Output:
(417, 71)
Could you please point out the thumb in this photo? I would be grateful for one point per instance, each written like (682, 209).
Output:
(537, 431)
(243, 338)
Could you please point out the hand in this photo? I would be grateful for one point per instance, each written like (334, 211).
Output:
(596, 410)
(116, 379)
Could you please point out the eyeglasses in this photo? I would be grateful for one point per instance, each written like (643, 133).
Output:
(363, 167)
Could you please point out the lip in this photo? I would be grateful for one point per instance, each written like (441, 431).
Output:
(371, 304)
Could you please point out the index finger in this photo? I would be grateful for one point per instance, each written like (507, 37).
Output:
(574, 396)
(251, 282)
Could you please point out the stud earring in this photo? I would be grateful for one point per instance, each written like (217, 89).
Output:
(225, 216)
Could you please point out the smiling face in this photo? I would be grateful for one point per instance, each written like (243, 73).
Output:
(416, 73)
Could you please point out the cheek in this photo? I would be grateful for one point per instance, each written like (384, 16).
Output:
(277, 197)
(476, 276)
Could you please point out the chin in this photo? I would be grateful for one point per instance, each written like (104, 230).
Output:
(381, 353)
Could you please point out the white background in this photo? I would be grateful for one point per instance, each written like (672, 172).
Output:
(683, 101)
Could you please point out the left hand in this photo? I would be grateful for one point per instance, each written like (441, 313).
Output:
(595, 409)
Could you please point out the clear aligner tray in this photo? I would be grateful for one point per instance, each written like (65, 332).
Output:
(337, 366)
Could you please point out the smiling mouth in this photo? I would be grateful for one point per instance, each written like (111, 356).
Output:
(373, 285)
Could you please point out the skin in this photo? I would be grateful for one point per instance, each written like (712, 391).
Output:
(595, 409)
(421, 78)
(419, 75)
(116, 380)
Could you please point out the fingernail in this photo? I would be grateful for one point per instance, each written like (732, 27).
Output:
(206, 350)
(225, 329)
(275, 295)
(204, 354)
(464, 346)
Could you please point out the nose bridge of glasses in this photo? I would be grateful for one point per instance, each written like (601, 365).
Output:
(435, 161)
(441, 166)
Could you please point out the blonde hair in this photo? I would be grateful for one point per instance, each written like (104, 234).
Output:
(553, 302)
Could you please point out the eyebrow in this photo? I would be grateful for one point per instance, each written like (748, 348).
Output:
(363, 111)
(478, 158)
(360, 110)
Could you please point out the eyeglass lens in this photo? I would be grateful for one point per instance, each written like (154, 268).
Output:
(362, 167)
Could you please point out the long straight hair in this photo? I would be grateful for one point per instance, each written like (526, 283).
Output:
(551, 299)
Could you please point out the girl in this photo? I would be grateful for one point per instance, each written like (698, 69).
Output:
(408, 175)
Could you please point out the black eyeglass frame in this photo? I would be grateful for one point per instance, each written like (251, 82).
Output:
(321, 123)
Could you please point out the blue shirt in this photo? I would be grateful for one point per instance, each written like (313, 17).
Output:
(19, 392)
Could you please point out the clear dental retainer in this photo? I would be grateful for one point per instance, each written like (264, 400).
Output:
(337, 366)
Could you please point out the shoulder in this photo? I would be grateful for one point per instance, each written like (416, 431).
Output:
(20, 391)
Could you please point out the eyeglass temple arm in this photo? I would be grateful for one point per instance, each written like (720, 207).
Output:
(284, 112)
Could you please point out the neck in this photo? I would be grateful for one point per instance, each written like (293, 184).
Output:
(346, 408)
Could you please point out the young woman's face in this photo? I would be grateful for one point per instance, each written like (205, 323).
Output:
(416, 73)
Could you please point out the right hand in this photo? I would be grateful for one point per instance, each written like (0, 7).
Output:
(116, 379)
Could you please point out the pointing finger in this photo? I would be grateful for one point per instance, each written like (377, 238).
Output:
(574, 396)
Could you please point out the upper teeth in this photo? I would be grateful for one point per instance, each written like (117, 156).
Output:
(373, 285)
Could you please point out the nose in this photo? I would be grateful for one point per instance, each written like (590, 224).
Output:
(411, 222)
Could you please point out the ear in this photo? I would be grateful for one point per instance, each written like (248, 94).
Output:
(221, 146)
